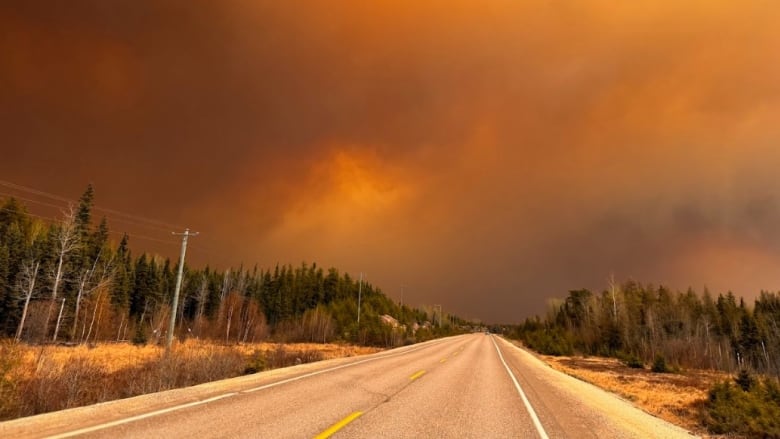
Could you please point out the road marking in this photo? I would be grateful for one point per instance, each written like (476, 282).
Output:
(527, 403)
(442, 360)
(319, 372)
(139, 417)
(380, 356)
(338, 426)
(417, 375)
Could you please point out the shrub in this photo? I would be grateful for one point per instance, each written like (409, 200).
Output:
(744, 380)
(752, 413)
(139, 336)
(659, 365)
(257, 363)
(630, 359)
(281, 357)
(548, 342)
(634, 362)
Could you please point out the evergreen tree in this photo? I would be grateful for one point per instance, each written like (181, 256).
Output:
(748, 343)
(84, 213)
(7, 299)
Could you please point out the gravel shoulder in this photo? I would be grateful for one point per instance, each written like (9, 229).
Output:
(592, 410)
(638, 403)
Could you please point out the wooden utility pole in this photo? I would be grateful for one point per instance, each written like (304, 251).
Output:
(360, 293)
(175, 304)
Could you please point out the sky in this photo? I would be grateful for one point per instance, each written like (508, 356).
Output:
(485, 156)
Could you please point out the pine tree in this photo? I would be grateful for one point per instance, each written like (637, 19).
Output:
(141, 287)
(7, 302)
(84, 213)
(748, 343)
(98, 240)
(14, 243)
(12, 212)
(123, 279)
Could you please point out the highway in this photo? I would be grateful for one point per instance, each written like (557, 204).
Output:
(469, 386)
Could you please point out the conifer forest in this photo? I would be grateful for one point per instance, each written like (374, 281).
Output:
(68, 281)
(653, 325)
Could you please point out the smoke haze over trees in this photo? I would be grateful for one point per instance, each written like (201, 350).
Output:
(67, 281)
(645, 324)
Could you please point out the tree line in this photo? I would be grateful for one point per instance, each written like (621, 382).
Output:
(66, 281)
(643, 324)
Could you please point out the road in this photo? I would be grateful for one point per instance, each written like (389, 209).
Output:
(469, 386)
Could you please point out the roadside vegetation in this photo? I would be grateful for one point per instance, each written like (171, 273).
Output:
(44, 378)
(82, 317)
(676, 398)
(746, 405)
(657, 332)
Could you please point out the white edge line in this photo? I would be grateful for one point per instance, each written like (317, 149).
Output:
(527, 403)
(139, 417)
(215, 398)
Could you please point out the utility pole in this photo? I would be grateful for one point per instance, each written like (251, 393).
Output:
(403, 287)
(175, 304)
(439, 307)
(360, 291)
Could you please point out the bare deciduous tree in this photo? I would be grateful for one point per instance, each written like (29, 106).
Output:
(202, 297)
(67, 242)
(233, 301)
(89, 283)
(613, 292)
(27, 279)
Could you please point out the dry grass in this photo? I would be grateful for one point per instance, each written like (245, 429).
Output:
(113, 357)
(674, 397)
(327, 351)
(39, 379)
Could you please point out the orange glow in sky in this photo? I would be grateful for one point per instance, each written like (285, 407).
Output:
(489, 155)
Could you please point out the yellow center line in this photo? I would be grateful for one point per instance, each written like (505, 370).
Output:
(338, 426)
(417, 375)
(442, 360)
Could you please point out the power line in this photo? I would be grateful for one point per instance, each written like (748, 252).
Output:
(135, 236)
(111, 218)
(114, 216)
(50, 195)
(30, 200)
(114, 232)
(221, 257)
(30, 214)
(142, 237)
(34, 191)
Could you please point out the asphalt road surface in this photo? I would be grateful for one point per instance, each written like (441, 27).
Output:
(470, 386)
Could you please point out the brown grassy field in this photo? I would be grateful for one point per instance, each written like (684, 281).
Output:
(39, 379)
(674, 397)
(116, 356)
